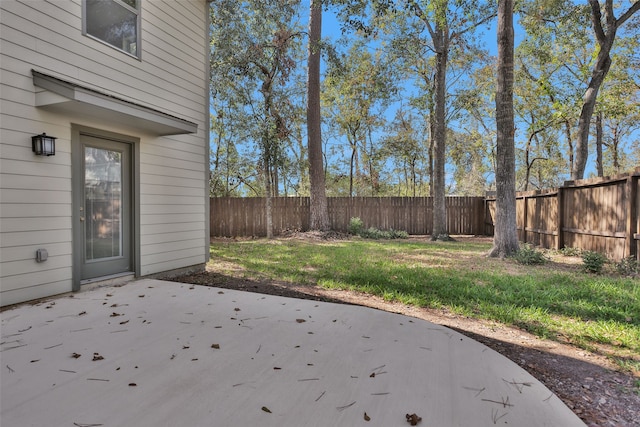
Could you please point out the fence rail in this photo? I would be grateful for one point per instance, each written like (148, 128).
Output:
(600, 214)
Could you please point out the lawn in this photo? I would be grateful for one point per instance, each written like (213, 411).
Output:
(555, 301)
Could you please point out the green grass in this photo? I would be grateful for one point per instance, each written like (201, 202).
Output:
(551, 301)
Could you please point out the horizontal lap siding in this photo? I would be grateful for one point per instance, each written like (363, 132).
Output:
(170, 77)
(173, 169)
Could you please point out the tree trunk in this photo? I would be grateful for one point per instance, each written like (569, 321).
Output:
(441, 43)
(352, 167)
(432, 127)
(600, 70)
(268, 197)
(319, 211)
(599, 165)
(615, 154)
(567, 133)
(505, 241)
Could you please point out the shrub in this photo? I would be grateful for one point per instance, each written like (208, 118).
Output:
(571, 251)
(628, 266)
(527, 255)
(593, 261)
(356, 226)
(398, 234)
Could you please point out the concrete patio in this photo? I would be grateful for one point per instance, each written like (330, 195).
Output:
(155, 353)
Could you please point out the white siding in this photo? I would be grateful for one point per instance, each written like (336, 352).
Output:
(36, 192)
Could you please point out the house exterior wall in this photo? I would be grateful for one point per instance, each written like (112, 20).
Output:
(36, 192)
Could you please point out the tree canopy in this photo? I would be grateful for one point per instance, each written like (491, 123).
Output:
(395, 122)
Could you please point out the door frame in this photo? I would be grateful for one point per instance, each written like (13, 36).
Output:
(77, 177)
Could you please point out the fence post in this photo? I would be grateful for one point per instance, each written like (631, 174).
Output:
(632, 222)
(560, 218)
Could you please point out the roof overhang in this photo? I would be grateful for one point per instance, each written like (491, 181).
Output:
(66, 97)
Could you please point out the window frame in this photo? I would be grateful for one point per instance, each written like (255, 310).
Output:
(137, 11)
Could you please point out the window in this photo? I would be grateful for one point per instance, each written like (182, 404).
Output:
(115, 22)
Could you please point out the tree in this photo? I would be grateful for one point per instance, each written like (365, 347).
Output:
(357, 89)
(446, 25)
(443, 26)
(468, 154)
(605, 29)
(618, 111)
(505, 241)
(318, 207)
(404, 146)
(255, 48)
(551, 74)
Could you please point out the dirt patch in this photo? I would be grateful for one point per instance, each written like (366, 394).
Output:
(588, 383)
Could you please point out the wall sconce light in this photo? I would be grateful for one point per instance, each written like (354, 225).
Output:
(43, 145)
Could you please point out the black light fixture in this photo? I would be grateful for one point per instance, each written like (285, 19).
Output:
(43, 145)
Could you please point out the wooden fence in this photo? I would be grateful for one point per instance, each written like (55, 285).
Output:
(231, 216)
(599, 214)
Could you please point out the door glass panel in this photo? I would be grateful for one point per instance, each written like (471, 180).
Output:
(103, 203)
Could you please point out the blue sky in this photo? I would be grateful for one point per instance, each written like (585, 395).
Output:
(331, 29)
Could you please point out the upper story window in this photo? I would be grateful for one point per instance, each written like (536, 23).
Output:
(115, 22)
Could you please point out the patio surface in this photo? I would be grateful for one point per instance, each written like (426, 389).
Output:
(156, 353)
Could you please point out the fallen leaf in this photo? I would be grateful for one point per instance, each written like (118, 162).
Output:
(265, 409)
(82, 313)
(413, 419)
(300, 320)
(342, 408)
(367, 417)
(96, 357)
(114, 314)
(216, 346)
(36, 360)
(75, 355)
(140, 296)
(236, 309)
(132, 384)
(275, 368)
(373, 375)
